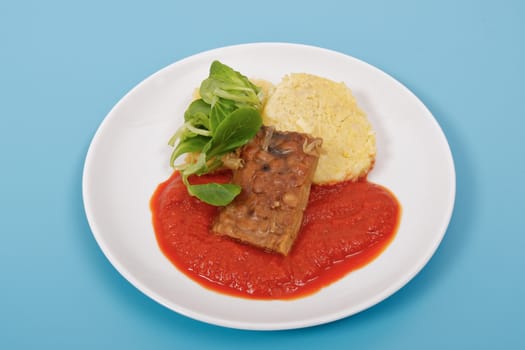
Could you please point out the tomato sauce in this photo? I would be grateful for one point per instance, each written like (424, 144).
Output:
(345, 226)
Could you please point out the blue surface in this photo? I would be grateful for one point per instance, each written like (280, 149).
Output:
(63, 65)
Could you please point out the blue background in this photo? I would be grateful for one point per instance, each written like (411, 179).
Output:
(64, 64)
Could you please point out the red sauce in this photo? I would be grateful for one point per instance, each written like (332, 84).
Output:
(345, 226)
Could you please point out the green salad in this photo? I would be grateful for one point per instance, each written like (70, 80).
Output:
(226, 117)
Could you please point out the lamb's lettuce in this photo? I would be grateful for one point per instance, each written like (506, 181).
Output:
(226, 117)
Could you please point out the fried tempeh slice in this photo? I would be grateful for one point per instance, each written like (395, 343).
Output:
(275, 180)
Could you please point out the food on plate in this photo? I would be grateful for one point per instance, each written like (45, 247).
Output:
(323, 108)
(345, 226)
(224, 118)
(275, 181)
(272, 200)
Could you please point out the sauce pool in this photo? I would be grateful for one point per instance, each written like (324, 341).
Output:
(345, 226)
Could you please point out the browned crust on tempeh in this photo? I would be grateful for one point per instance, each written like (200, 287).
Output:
(275, 180)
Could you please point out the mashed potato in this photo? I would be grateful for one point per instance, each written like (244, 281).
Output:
(323, 108)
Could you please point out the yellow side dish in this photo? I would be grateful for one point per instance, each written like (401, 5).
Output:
(323, 108)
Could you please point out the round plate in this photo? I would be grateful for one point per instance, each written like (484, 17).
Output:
(129, 155)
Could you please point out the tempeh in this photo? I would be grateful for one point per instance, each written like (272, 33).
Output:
(275, 179)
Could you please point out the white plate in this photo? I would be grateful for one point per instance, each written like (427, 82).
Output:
(128, 158)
